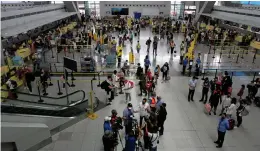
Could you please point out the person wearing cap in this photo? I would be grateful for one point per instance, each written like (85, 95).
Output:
(128, 113)
(107, 124)
(192, 86)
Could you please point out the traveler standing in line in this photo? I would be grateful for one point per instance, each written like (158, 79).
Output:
(214, 100)
(148, 43)
(29, 77)
(232, 108)
(192, 86)
(147, 63)
(205, 90)
(184, 64)
(162, 117)
(128, 89)
(144, 107)
(128, 113)
(226, 102)
(138, 47)
(223, 126)
(172, 46)
(240, 109)
(119, 56)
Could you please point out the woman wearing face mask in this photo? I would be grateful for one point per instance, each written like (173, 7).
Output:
(226, 103)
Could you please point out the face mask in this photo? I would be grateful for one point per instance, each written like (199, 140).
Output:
(129, 108)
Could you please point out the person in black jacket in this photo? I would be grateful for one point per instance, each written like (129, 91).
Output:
(162, 117)
(165, 70)
(29, 77)
(142, 84)
(214, 100)
(205, 90)
(139, 71)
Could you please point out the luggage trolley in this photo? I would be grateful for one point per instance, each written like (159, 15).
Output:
(88, 64)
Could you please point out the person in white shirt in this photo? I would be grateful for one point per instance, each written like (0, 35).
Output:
(153, 138)
(192, 86)
(128, 88)
(144, 107)
(232, 108)
(226, 102)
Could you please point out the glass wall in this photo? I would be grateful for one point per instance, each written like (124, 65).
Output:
(177, 9)
(94, 8)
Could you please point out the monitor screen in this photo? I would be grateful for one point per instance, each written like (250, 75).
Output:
(120, 11)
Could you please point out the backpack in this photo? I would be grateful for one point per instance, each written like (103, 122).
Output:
(103, 85)
(14, 83)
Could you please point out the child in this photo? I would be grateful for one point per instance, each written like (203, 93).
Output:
(241, 91)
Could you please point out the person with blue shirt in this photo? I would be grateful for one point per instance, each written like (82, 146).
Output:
(147, 63)
(128, 114)
(158, 103)
(107, 124)
(223, 126)
(184, 64)
(130, 140)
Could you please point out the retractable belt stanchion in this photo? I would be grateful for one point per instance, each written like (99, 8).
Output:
(254, 76)
(52, 56)
(242, 54)
(50, 84)
(254, 57)
(209, 49)
(216, 73)
(94, 78)
(72, 79)
(39, 92)
(59, 93)
(57, 57)
(50, 67)
(214, 51)
(229, 53)
(220, 55)
(99, 85)
(237, 58)
(55, 67)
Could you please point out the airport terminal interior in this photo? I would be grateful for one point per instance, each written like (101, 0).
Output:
(75, 75)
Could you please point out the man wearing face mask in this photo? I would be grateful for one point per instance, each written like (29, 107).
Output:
(128, 114)
(143, 108)
(223, 126)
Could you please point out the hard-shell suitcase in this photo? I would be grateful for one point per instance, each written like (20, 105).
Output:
(111, 60)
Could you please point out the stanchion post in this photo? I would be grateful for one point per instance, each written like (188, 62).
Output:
(55, 67)
(57, 57)
(254, 57)
(209, 49)
(220, 55)
(50, 84)
(52, 56)
(72, 76)
(94, 78)
(229, 56)
(231, 75)
(216, 73)
(254, 76)
(59, 93)
(237, 58)
(91, 82)
(73, 55)
(234, 50)
(242, 54)
(203, 75)
(72, 84)
(39, 93)
(214, 51)
(50, 67)
(44, 89)
(99, 85)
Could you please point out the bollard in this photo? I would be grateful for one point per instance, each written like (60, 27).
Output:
(254, 76)
(237, 58)
(59, 93)
(39, 93)
(216, 73)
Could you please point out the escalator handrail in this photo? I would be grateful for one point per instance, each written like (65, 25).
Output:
(58, 105)
(49, 97)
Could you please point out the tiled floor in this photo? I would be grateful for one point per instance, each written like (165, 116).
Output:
(187, 127)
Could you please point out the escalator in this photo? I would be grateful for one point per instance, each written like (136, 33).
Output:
(58, 107)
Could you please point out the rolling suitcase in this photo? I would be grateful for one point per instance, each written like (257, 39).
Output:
(207, 108)
(231, 123)
(111, 60)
